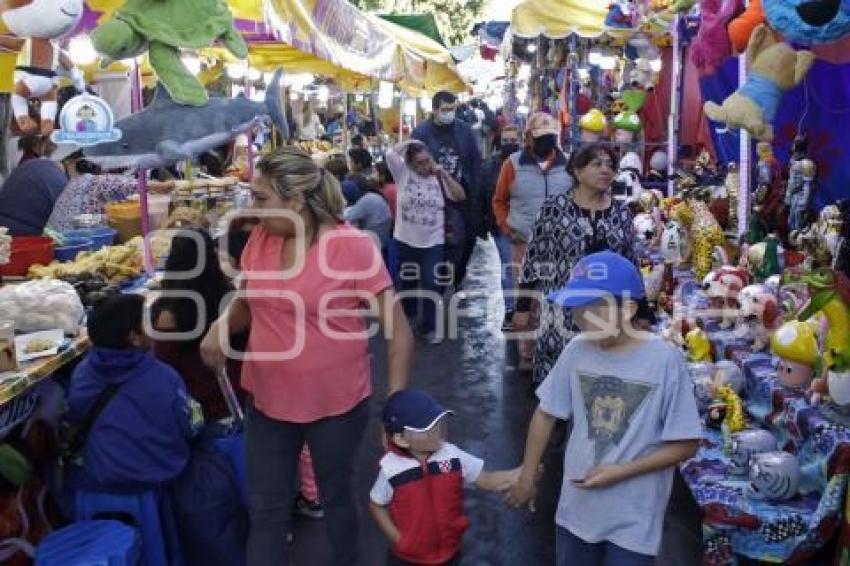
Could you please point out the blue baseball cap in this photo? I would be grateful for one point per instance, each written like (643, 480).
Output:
(412, 409)
(598, 276)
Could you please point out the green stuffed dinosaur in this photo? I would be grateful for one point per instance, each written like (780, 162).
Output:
(163, 28)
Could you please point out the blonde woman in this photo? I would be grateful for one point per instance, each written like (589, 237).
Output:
(305, 272)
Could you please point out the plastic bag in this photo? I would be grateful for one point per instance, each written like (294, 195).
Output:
(42, 305)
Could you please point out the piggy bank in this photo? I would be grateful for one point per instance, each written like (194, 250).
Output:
(702, 376)
(746, 444)
(727, 372)
(774, 476)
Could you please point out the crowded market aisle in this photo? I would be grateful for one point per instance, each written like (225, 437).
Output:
(474, 376)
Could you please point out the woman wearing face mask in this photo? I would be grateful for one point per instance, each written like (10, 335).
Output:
(422, 187)
(527, 179)
(570, 226)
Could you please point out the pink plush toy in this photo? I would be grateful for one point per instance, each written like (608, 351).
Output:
(712, 45)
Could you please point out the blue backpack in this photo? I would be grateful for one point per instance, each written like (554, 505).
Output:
(212, 519)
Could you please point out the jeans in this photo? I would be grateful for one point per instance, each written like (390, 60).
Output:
(571, 550)
(273, 448)
(418, 270)
(503, 245)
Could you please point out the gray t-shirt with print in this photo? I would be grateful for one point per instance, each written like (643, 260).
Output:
(623, 405)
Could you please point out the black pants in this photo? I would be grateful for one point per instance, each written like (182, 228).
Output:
(272, 449)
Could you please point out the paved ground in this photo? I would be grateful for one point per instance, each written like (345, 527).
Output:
(474, 376)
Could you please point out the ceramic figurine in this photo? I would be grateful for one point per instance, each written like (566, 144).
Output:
(760, 313)
(797, 349)
(746, 444)
(799, 198)
(722, 286)
(735, 420)
(698, 346)
(702, 375)
(774, 476)
(727, 372)
(716, 414)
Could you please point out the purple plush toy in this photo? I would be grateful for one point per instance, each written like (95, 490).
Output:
(712, 45)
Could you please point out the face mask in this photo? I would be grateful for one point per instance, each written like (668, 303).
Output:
(544, 145)
(446, 118)
(509, 149)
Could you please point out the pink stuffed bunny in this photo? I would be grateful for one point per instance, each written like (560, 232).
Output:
(712, 45)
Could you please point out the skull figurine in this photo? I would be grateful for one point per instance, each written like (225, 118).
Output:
(774, 476)
(746, 444)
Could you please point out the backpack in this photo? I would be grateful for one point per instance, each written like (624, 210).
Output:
(212, 520)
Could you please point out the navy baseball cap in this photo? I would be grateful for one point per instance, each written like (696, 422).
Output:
(412, 409)
(598, 276)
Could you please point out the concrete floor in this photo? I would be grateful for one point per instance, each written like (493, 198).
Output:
(474, 377)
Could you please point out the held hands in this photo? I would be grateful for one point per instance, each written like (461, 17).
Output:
(523, 492)
(211, 352)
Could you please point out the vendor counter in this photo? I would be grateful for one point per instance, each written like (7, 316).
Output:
(16, 383)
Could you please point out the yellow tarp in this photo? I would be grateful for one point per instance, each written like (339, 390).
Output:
(559, 18)
(411, 60)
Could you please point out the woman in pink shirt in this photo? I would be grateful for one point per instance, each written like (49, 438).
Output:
(308, 281)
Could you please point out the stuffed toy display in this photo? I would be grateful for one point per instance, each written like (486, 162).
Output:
(711, 47)
(163, 29)
(776, 68)
(741, 28)
(760, 311)
(723, 287)
(593, 125)
(621, 14)
(809, 22)
(34, 27)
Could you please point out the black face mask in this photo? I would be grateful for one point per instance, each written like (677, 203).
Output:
(544, 145)
(509, 149)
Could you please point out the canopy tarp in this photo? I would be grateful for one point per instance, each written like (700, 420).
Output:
(427, 66)
(335, 31)
(425, 24)
(557, 19)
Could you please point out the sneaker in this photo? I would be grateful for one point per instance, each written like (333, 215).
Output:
(311, 509)
(508, 323)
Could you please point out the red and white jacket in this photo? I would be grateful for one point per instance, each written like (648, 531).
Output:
(425, 501)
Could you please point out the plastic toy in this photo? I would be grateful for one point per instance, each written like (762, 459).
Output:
(830, 293)
(774, 476)
(759, 309)
(722, 286)
(698, 346)
(776, 68)
(799, 359)
(745, 445)
(593, 125)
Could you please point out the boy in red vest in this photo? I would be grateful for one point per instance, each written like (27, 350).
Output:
(417, 499)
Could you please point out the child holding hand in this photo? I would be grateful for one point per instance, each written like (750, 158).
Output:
(634, 418)
(417, 499)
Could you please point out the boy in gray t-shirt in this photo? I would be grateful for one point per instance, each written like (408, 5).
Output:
(634, 418)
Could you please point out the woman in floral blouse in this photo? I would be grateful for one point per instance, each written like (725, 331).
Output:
(87, 192)
(569, 227)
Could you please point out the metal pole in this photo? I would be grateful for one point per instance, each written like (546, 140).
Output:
(250, 134)
(674, 120)
(745, 161)
(575, 85)
(136, 104)
(401, 118)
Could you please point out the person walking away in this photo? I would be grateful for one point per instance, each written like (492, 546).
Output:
(510, 144)
(420, 230)
(359, 170)
(306, 382)
(454, 147)
(569, 227)
(372, 214)
(619, 463)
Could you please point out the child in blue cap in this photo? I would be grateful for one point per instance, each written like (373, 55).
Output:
(417, 499)
(633, 414)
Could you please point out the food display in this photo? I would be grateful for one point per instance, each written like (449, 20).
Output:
(43, 304)
(37, 345)
(316, 146)
(115, 263)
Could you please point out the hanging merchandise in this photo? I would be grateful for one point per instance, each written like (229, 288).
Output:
(163, 29)
(86, 120)
(593, 125)
(711, 47)
(741, 28)
(167, 132)
(34, 28)
(776, 67)
(809, 23)
(621, 14)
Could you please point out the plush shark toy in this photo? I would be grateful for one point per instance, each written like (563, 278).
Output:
(167, 132)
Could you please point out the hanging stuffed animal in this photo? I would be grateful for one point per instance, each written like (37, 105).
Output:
(621, 14)
(627, 185)
(593, 125)
(741, 28)
(627, 123)
(809, 22)
(776, 68)
(711, 47)
(33, 27)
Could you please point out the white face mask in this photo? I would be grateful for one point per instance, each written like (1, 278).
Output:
(446, 118)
